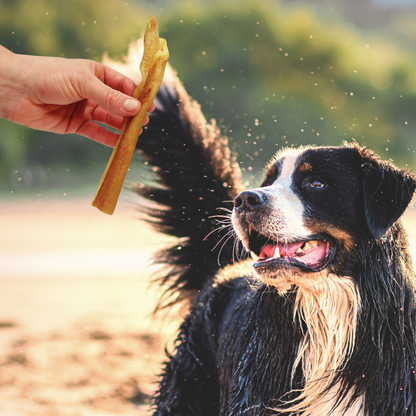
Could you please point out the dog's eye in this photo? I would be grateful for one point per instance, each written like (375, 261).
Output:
(315, 183)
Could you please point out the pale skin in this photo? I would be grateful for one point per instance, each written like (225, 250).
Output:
(65, 95)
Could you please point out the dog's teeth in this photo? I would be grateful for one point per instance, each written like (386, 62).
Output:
(254, 256)
(309, 244)
(249, 229)
(276, 253)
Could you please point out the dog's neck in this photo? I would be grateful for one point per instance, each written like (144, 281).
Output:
(327, 306)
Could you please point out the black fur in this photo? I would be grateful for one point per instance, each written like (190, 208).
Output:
(237, 346)
(196, 176)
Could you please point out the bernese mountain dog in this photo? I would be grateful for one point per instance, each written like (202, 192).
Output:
(301, 291)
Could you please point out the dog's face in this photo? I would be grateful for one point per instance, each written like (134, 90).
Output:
(311, 210)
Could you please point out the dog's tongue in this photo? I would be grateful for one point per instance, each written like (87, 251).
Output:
(314, 252)
(289, 249)
(284, 249)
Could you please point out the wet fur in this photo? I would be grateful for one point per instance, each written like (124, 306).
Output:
(338, 341)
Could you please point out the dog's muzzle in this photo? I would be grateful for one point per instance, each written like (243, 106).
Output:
(252, 221)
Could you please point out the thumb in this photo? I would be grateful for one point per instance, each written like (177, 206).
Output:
(115, 102)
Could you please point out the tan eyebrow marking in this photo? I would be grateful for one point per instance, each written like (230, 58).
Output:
(271, 172)
(305, 167)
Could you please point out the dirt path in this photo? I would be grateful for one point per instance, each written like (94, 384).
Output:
(77, 336)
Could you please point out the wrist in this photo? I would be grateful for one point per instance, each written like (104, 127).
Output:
(9, 83)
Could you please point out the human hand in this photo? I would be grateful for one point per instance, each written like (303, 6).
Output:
(65, 95)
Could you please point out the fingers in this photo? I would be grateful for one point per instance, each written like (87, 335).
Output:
(115, 102)
(102, 116)
(116, 80)
(109, 92)
(121, 89)
(109, 89)
(97, 133)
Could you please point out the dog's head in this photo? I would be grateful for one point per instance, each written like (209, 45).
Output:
(314, 206)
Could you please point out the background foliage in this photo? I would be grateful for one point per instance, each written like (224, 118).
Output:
(271, 74)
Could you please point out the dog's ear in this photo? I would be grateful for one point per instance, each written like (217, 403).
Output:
(387, 192)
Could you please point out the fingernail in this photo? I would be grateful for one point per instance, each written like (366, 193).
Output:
(130, 105)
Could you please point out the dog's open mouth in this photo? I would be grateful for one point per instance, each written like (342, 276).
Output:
(311, 255)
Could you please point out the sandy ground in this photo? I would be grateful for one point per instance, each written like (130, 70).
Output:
(77, 334)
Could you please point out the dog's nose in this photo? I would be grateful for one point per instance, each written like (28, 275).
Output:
(248, 201)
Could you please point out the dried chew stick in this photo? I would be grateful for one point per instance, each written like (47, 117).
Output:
(152, 67)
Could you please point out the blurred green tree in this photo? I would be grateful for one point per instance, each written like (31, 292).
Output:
(277, 76)
(272, 75)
